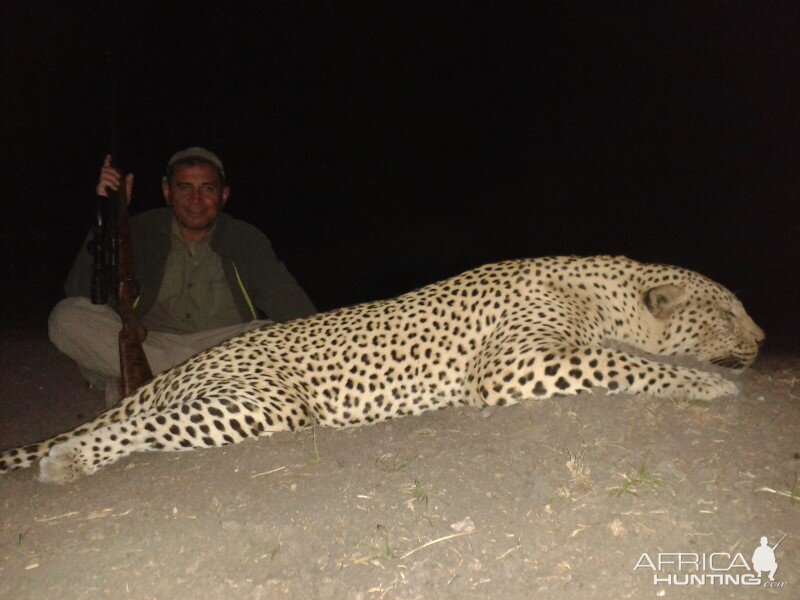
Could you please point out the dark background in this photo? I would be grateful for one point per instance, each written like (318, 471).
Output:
(384, 146)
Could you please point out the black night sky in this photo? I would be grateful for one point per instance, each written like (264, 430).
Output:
(382, 146)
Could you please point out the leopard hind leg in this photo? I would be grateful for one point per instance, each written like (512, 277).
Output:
(201, 423)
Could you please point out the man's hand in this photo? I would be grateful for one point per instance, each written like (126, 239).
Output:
(109, 179)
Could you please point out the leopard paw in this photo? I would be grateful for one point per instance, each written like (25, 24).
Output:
(61, 465)
(701, 385)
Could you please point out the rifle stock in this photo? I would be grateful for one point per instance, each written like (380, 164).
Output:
(134, 368)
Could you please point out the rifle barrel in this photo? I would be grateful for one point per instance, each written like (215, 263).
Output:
(779, 542)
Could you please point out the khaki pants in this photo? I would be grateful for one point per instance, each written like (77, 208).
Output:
(88, 334)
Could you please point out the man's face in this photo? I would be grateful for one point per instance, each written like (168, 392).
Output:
(196, 194)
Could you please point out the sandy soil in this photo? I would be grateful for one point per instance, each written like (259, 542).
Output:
(555, 499)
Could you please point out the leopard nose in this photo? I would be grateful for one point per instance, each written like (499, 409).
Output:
(757, 332)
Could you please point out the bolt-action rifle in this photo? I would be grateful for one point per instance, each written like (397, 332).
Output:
(113, 279)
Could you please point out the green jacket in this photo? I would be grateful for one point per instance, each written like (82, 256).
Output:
(257, 279)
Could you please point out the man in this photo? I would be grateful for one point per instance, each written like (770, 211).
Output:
(764, 558)
(204, 276)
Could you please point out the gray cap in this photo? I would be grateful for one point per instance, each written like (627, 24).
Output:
(196, 152)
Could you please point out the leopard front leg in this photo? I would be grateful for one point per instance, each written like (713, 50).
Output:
(516, 372)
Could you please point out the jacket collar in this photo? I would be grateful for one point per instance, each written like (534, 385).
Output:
(218, 235)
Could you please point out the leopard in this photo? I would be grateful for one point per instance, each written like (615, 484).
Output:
(500, 334)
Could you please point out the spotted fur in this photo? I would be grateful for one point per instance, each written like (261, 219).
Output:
(496, 335)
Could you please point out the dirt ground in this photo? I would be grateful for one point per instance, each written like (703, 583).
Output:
(555, 499)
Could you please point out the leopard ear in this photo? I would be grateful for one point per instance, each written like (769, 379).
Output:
(663, 300)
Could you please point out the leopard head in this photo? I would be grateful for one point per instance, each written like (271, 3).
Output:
(698, 317)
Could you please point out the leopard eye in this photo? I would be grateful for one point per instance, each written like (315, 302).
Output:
(729, 315)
